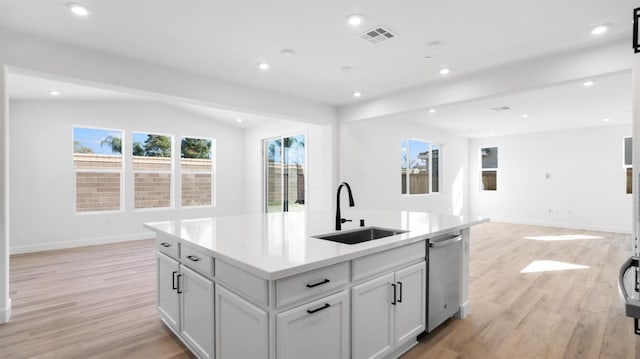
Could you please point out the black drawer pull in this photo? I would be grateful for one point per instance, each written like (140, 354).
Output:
(325, 306)
(179, 276)
(165, 244)
(394, 294)
(193, 258)
(400, 285)
(173, 281)
(325, 281)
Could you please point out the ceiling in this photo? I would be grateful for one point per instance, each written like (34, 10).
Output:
(562, 106)
(227, 39)
(23, 87)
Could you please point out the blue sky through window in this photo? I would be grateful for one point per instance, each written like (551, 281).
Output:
(92, 138)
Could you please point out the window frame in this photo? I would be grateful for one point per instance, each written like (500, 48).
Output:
(213, 174)
(430, 168)
(109, 170)
(625, 166)
(171, 171)
(489, 169)
(265, 190)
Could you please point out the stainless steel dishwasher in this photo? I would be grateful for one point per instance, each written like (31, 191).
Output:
(444, 279)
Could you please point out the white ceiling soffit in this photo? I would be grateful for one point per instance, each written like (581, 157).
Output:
(563, 106)
(227, 39)
(23, 87)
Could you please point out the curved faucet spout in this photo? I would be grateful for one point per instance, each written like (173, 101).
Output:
(339, 219)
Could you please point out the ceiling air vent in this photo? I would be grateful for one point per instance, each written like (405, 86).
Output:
(377, 34)
(501, 108)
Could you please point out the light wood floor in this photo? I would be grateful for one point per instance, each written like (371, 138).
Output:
(99, 302)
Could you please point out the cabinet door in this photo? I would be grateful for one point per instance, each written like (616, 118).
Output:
(372, 318)
(411, 302)
(319, 329)
(168, 300)
(197, 311)
(242, 329)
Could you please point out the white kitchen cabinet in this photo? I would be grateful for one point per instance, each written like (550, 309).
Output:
(411, 304)
(242, 329)
(388, 311)
(196, 310)
(319, 329)
(372, 318)
(168, 299)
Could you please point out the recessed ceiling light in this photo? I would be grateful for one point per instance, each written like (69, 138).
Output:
(524, 115)
(355, 19)
(287, 52)
(263, 66)
(445, 71)
(54, 92)
(493, 132)
(346, 68)
(427, 58)
(588, 83)
(78, 9)
(606, 119)
(238, 120)
(432, 110)
(357, 94)
(600, 29)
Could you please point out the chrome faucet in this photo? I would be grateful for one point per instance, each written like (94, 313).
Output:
(339, 219)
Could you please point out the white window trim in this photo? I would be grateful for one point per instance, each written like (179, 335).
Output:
(430, 193)
(264, 166)
(171, 173)
(213, 174)
(487, 169)
(105, 170)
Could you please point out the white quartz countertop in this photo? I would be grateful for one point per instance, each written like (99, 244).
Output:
(277, 245)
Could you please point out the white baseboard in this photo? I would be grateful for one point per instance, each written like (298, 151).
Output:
(79, 243)
(5, 313)
(464, 311)
(563, 225)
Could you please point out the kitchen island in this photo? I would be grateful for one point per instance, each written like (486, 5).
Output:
(262, 285)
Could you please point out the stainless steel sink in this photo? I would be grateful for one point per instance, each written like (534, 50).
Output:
(361, 235)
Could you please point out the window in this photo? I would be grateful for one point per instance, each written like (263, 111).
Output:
(284, 169)
(628, 163)
(152, 170)
(196, 166)
(420, 167)
(489, 172)
(97, 161)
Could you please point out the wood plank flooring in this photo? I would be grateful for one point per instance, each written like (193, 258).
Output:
(551, 314)
(99, 301)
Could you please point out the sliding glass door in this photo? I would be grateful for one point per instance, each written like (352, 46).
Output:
(284, 173)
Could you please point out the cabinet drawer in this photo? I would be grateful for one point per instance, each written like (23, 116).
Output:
(246, 284)
(312, 283)
(168, 246)
(387, 260)
(197, 261)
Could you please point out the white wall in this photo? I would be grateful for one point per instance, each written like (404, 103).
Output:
(319, 145)
(370, 163)
(587, 185)
(42, 192)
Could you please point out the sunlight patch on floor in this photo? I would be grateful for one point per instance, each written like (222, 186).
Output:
(550, 266)
(565, 237)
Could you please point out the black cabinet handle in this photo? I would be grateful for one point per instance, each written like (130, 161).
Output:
(173, 280)
(325, 281)
(394, 294)
(193, 258)
(179, 276)
(325, 306)
(165, 244)
(400, 285)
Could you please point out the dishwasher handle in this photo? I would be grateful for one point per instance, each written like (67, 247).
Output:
(444, 241)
